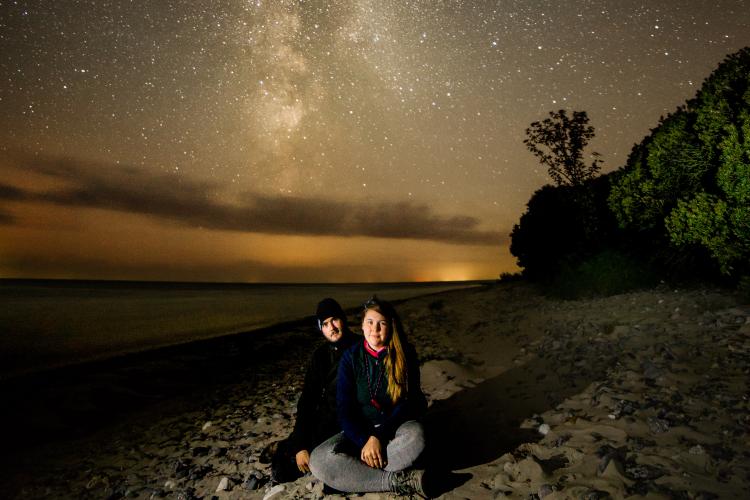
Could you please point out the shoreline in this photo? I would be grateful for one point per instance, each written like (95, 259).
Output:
(500, 364)
(128, 372)
(52, 324)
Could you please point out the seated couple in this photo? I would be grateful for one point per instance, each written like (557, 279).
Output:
(357, 426)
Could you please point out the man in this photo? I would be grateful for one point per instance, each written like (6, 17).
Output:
(316, 409)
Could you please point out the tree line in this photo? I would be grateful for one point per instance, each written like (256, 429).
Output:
(678, 208)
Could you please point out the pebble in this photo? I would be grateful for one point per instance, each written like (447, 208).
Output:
(274, 491)
(223, 485)
(200, 451)
(658, 425)
(650, 371)
(180, 468)
(638, 471)
(671, 403)
(253, 481)
(545, 490)
(620, 330)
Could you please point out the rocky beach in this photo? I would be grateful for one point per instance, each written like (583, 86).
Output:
(641, 395)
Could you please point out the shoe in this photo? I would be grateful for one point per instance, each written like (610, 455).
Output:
(409, 482)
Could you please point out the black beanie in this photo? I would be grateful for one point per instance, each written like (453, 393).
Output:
(328, 308)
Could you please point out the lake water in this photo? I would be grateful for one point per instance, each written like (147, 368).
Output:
(46, 324)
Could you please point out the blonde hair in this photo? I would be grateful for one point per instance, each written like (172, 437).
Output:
(395, 360)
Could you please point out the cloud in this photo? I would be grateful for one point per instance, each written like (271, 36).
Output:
(184, 201)
(8, 192)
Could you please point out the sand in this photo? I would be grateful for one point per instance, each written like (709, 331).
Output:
(641, 395)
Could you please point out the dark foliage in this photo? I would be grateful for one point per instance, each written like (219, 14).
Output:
(563, 225)
(558, 142)
(680, 205)
(686, 187)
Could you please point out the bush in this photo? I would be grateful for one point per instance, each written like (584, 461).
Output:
(563, 224)
(510, 277)
(610, 272)
(686, 187)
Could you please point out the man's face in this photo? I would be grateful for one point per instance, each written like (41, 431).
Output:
(332, 329)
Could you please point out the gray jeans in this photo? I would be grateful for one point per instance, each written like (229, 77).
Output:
(345, 472)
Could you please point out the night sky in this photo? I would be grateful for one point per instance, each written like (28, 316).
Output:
(315, 141)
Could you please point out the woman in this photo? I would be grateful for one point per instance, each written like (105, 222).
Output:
(379, 400)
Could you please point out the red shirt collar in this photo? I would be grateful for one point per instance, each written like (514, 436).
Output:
(372, 352)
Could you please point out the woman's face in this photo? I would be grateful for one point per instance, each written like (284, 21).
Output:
(376, 329)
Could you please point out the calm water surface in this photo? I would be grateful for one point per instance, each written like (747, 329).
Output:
(55, 323)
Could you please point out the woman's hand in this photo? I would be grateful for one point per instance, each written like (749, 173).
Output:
(372, 453)
(303, 461)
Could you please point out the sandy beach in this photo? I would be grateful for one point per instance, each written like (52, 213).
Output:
(641, 395)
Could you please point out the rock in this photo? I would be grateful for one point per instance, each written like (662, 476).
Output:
(181, 468)
(274, 491)
(186, 494)
(639, 471)
(206, 426)
(253, 481)
(155, 493)
(544, 429)
(199, 471)
(561, 440)
(317, 489)
(218, 451)
(650, 371)
(169, 484)
(595, 495)
(696, 450)
(545, 490)
(608, 454)
(658, 425)
(620, 330)
(200, 451)
(623, 407)
(224, 485)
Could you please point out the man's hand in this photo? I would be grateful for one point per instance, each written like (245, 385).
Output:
(303, 461)
(372, 453)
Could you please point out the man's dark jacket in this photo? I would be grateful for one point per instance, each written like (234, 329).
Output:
(316, 409)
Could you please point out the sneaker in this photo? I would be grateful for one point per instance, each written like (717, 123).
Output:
(408, 482)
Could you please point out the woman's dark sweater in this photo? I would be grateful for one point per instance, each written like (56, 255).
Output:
(361, 379)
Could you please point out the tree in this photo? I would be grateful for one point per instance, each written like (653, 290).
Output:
(557, 229)
(720, 221)
(558, 142)
(688, 183)
(669, 164)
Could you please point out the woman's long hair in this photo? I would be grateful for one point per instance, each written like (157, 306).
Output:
(395, 360)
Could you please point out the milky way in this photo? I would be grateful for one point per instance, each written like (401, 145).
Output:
(335, 110)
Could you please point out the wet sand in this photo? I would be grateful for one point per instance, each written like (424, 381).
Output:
(641, 395)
